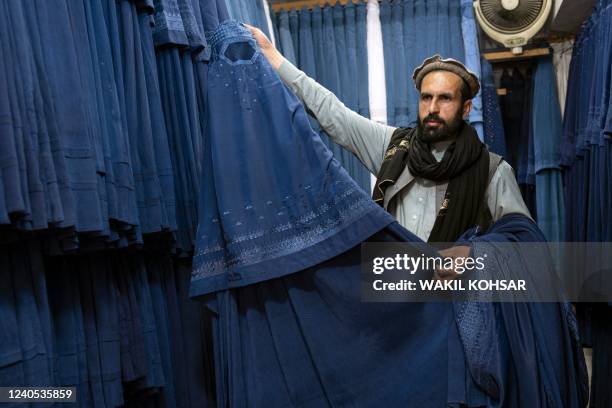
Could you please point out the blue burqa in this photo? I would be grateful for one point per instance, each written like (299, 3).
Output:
(278, 263)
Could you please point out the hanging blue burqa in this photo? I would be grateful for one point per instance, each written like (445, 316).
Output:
(278, 256)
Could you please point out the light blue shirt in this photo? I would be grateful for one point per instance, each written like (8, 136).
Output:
(416, 206)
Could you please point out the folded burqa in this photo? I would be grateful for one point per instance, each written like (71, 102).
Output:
(278, 263)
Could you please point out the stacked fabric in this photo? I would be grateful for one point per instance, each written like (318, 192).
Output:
(588, 129)
(101, 107)
(101, 133)
(71, 151)
(587, 158)
(120, 328)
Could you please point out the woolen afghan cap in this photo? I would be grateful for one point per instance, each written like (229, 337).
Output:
(436, 63)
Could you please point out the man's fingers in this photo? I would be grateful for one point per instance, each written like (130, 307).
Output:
(460, 251)
(444, 274)
(256, 32)
(250, 27)
(259, 36)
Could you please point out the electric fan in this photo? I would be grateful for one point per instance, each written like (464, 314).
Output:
(512, 22)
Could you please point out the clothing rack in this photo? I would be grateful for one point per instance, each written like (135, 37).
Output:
(310, 4)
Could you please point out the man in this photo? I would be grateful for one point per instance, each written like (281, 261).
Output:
(437, 179)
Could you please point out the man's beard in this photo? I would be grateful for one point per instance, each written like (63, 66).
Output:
(445, 131)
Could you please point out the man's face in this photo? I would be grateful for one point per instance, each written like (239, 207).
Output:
(441, 110)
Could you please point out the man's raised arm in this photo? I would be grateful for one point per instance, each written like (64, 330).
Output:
(366, 138)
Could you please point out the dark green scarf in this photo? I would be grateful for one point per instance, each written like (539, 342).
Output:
(465, 165)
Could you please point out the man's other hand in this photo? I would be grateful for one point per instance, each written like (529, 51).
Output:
(455, 252)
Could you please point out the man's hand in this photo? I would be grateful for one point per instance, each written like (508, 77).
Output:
(453, 252)
(274, 57)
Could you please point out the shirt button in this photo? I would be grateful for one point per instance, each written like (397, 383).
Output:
(414, 217)
(420, 199)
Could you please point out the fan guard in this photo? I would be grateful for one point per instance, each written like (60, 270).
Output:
(511, 21)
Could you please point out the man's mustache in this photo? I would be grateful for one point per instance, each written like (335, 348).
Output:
(433, 118)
